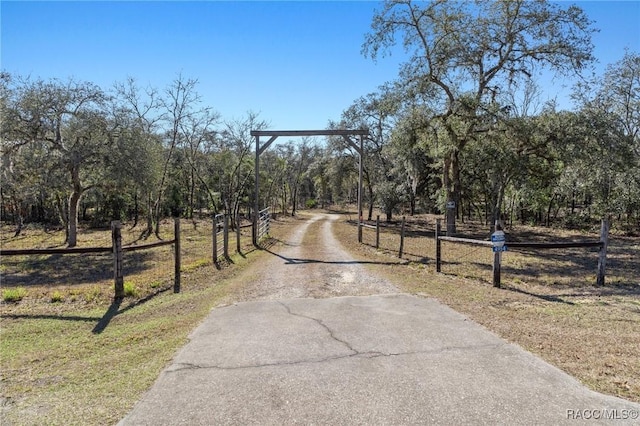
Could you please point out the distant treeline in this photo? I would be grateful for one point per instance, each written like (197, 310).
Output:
(461, 126)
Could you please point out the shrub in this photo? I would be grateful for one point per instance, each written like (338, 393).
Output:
(93, 295)
(130, 289)
(14, 294)
(312, 203)
(56, 297)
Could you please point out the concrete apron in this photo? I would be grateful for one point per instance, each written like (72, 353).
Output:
(392, 359)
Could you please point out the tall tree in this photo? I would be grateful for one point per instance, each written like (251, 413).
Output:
(179, 104)
(376, 112)
(198, 131)
(139, 114)
(612, 103)
(464, 54)
(70, 120)
(237, 145)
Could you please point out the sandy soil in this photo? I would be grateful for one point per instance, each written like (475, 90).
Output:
(310, 262)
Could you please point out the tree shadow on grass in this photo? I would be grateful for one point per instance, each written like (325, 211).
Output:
(301, 261)
(545, 297)
(114, 309)
(71, 269)
(52, 317)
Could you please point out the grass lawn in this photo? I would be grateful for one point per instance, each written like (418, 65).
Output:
(71, 356)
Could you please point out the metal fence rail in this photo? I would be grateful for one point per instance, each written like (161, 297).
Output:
(218, 237)
(264, 223)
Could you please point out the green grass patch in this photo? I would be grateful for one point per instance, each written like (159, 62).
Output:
(14, 294)
(57, 297)
(195, 265)
(77, 373)
(88, 361)
(156, 284)
(130, 289)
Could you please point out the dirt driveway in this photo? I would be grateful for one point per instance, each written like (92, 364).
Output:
(318, 264)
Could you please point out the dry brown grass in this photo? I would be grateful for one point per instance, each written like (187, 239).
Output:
(82, 361)
(549, 304)
(88, 278)
(87, 360)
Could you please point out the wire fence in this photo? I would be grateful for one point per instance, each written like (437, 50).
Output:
(548, 262)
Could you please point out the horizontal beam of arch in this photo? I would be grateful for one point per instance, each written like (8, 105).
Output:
(274, 134)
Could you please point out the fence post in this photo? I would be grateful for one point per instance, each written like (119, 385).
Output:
(215, 240)
(378, 232)
(438, 246)
(225, 237)
(401, 238)
(176, 233)
(497, 257)
(602, 255)
(238, 248)
(118, 278)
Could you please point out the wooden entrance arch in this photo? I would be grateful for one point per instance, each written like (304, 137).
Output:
(274, 134)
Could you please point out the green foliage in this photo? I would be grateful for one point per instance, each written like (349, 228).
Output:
(14, 294)
(156, 284)
(430, 140)
(195, 265)
(57, 297)
(93, 295)
(130, 289)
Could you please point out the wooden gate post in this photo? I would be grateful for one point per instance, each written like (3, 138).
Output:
(176, 232)
(497, 257)
(602, 256)
(118, 278)
(438, 246)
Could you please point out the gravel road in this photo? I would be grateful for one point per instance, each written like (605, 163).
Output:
(310, 263)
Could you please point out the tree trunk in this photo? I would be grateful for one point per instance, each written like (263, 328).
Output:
(549, 207)
(149, 214)
(370, 190)
(496, 209)
(450, 213)
(294, 200)
(135, 210)
(74, 204)
(63, 216)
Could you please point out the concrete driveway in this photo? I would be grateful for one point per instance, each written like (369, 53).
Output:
(385, 359)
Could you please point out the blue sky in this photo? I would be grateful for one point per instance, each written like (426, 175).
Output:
(296, 63)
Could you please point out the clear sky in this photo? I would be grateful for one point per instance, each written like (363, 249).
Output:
(296, 63)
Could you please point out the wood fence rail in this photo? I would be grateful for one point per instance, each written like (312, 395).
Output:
(601, 244)
(538, 245)
(117, 249)
(81, 250)
(74, 250)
